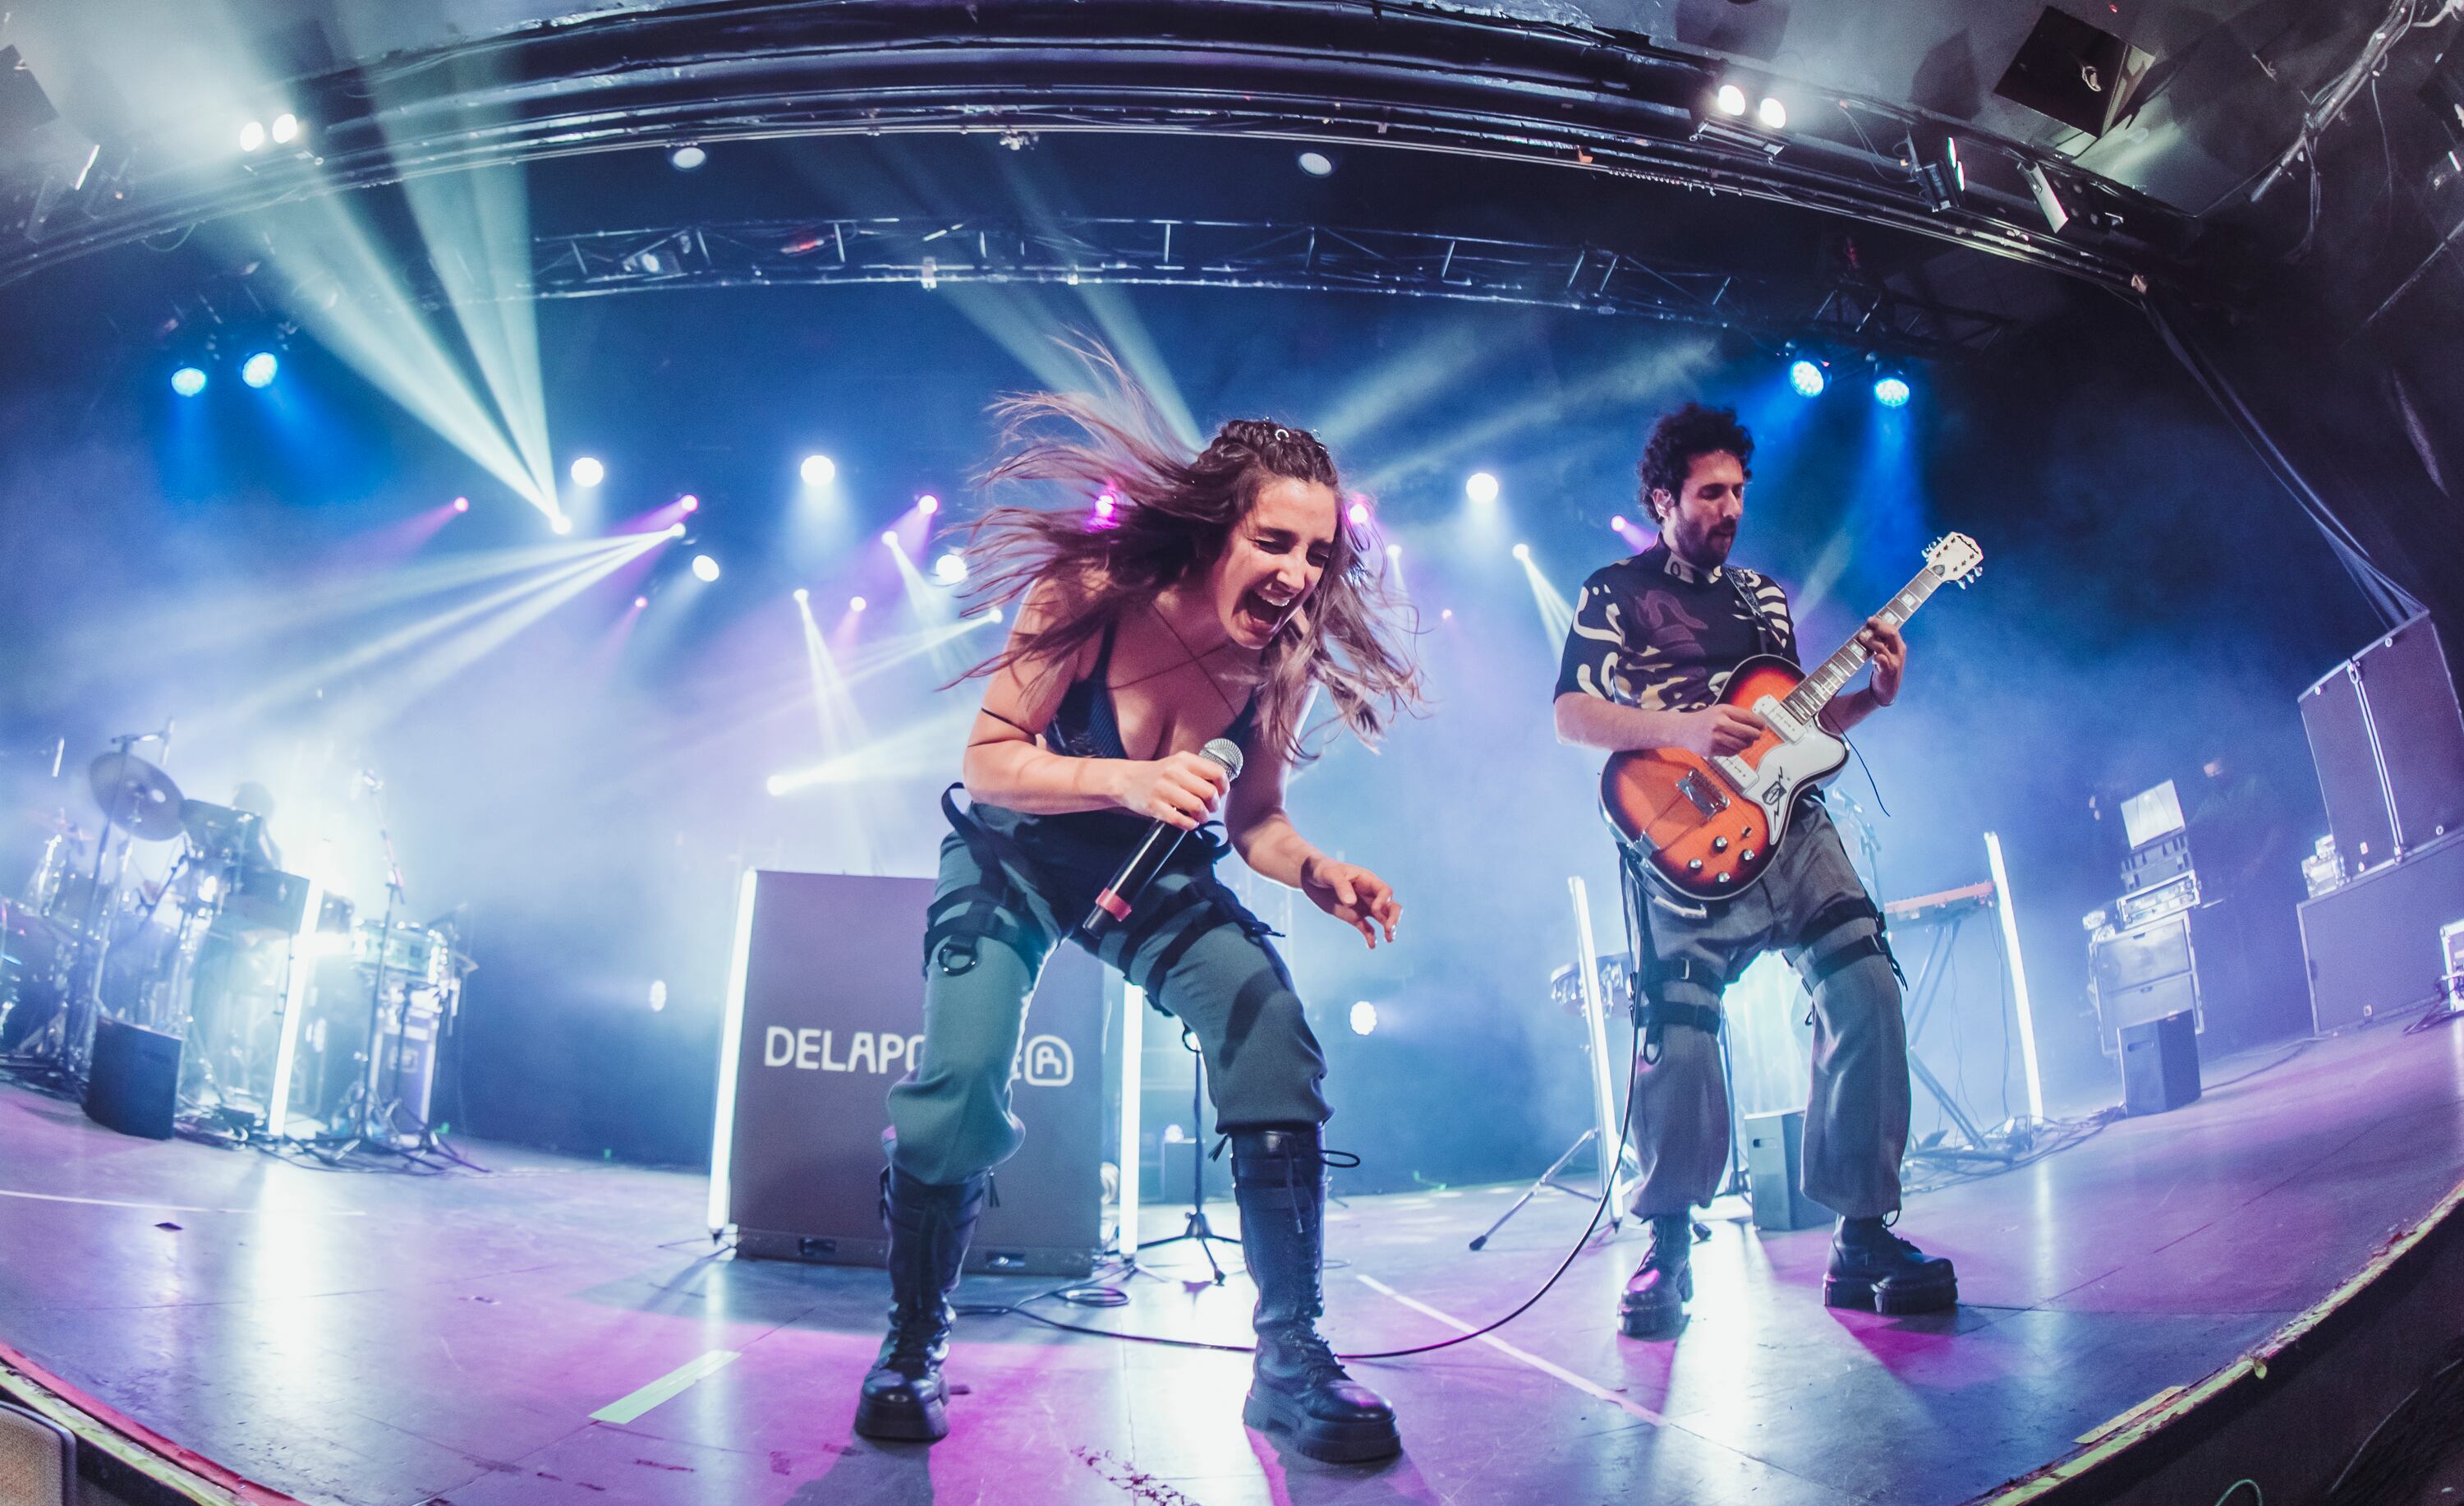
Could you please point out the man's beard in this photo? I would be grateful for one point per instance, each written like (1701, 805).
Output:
(1708, 548)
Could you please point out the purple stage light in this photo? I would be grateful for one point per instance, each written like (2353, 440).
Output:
(928, 504)
(688, 502)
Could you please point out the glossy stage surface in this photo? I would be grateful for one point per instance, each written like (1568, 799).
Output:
(394, 1339)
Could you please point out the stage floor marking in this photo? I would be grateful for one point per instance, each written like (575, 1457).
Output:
(181, 1207)
(665, 1387)
(1559, 1372)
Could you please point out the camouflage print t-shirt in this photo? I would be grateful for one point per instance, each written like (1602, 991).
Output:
(1654, 633)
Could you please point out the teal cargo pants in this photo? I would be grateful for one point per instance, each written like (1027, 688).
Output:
(1195, 951)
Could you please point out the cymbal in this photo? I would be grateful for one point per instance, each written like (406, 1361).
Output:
(215, 829)
(137, 796)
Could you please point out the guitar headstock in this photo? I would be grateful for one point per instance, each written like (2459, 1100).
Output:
(1956, 558)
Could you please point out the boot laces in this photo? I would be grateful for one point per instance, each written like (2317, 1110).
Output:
(1313, 1357)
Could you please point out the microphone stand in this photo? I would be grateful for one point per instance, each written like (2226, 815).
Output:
(1195, 1228)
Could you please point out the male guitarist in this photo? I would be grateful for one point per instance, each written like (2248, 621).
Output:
(1654, 641)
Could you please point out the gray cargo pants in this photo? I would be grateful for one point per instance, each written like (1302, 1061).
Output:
(1856, 1111)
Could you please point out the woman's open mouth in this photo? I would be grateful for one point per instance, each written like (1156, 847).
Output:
(1261, 613)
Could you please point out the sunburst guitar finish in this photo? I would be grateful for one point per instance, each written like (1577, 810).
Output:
(1706, 829)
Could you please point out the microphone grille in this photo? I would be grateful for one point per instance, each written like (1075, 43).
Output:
(1226, 752)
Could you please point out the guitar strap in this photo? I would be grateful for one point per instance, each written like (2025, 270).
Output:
(1766, 637)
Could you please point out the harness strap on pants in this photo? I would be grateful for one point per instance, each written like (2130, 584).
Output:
(1652, 1013)
(1848, 910)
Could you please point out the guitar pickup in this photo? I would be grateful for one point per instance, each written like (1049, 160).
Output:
(1776, 717)
(1708, 799)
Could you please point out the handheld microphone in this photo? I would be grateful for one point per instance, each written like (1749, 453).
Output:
(1119, 899)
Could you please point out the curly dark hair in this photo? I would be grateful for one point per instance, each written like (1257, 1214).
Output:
(1685, 436)
(1173, 514)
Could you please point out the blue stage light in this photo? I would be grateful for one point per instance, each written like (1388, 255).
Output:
(1807, 378)
(586, 470)
(258, 369)
(704, 567)
(187, 381)
(1891, 391)
(1364, 1018)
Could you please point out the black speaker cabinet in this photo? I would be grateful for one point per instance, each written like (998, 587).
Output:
(2371, 947)
(825, 1012)
(2160, 1065)
(136, 1082)
(1776, 1161)
(2387, 737)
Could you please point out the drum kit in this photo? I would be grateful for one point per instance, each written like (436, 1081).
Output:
(213, 952)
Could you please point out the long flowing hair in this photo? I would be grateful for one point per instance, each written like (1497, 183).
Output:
(1171, 519)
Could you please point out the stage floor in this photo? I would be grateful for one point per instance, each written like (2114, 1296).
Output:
(373, 1338)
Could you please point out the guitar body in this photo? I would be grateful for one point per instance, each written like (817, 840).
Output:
(1707, 829)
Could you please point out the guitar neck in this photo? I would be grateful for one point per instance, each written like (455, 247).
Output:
(1807, 700)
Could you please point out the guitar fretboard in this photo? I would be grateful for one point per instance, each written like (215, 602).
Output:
(1807, 700)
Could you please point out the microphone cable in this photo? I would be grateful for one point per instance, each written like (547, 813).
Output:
(1088, 1294)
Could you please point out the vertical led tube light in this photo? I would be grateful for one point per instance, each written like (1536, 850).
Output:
(1596, 1021)
(731, 1043)
(2010, 911)
(295, 998)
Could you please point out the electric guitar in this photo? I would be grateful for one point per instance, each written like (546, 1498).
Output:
(1706, 827)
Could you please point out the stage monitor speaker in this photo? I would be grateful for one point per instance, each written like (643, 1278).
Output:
(2387, 736)
(1776, 1161)
(2338, 723)
(2420, 731)
(136, 1082)
(2160, 1065)
(2371, 947)
(827, 1011)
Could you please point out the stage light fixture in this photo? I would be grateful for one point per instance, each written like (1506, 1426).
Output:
(675, 530)
(252, 135)
(1523, 552)
(1773, 114)
(1364, 1017)
(1107, 505)
(561, 523)
(258, 369)
(1891, 390)
(950, 570)
(586, 470)
(1482, 487)
(1806, 379)
(640, 601)
(1618, 522)
(688, 157)
(1359, 515)
(688, 503)
(856, 604)
(1316, 163)
(1731, 99)
(704, 567)
(461, 504)
(1394, 551)
(286, 128)
(928, 504)
(803, 596)
(889, 537)
(187, 381)
(817, 470)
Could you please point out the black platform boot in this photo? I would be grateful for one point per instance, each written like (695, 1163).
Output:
(928, 1225)
(1654, 1303)
(1279, 1179)
(1873, 1268)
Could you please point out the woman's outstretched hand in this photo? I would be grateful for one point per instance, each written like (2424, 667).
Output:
(1354, 896)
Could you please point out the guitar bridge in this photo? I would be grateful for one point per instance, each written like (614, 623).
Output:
(1708, 799)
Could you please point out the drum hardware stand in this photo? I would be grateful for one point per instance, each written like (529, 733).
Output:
(1196, 1230)
(69, 1039)
(1614, 1166)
